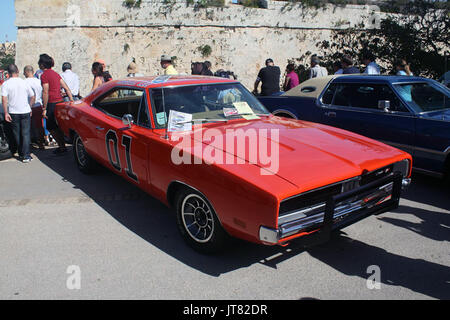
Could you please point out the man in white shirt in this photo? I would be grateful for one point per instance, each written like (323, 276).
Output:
(17, 109)
(36, 109)
(371, 67)
(316, 70)
(72, 80)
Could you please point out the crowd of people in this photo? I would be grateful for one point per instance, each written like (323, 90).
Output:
(29, 104)
(269, 76)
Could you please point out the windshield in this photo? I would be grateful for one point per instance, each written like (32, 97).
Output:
(206, 102)
(424, 97)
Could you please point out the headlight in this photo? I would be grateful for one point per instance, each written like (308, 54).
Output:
(402, 167)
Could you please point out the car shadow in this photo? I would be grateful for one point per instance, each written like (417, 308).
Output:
(434, 225)
(428, 190)
(151, 220)
(155, 223)
(353, 257)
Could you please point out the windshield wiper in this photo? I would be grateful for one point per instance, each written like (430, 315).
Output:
(249, 114)
(202, 120)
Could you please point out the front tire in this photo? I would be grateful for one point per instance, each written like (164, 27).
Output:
(83, 160)
(198, 223)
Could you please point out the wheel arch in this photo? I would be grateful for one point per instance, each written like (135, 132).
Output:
(176, 185)
(72, 134)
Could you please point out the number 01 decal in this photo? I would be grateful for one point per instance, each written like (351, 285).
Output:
(111, 136)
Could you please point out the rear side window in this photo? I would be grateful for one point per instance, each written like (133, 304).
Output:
(342, 95)
(327, 97)
(366, 96)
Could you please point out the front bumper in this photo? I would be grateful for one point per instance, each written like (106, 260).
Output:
(339, 211)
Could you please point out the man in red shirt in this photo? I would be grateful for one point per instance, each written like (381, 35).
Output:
(51, 95)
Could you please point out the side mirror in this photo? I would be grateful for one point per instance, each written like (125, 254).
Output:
(127, 120)
(384, 105)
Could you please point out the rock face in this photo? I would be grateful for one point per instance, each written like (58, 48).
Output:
(240, 38)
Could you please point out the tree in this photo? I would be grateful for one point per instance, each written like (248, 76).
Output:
(416, 31)
(6, 60)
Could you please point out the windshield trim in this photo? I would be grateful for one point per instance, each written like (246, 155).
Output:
(171, 86)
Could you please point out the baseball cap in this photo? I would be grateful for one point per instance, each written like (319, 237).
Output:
(166, 57)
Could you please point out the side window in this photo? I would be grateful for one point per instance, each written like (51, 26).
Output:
(327, 97)
(158, 108)
(366, 96)
(342, 95)
(386, 93)
(144, 119)
(120, 102)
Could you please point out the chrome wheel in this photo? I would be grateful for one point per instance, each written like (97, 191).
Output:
(80, 152)
(197, 218)
(82, 158)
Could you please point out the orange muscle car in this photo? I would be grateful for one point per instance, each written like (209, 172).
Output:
(206, 147)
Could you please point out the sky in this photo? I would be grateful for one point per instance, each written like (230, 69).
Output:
(7, 21)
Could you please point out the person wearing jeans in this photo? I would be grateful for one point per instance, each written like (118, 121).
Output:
(21, 129)
(37, 129)
(17, 98)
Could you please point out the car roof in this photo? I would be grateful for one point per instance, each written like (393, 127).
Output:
(377, 78)
(312, 88)
(169, 80)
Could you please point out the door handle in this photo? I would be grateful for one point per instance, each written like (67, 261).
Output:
(330, 114)
(100, 128)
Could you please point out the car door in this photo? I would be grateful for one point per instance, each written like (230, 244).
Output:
(354, 107)
(432, 144)
(432, 139)
(123, 148)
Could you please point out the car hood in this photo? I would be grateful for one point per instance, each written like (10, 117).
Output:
(442, 115)
(308, 155)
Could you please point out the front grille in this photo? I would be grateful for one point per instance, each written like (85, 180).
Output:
(349, 204)
(309, 198)
(306, 204)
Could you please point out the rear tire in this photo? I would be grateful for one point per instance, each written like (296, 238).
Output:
(83, 160)
(198, 223)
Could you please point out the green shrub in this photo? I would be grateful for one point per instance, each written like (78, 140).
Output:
(130, 4)
(205, 50)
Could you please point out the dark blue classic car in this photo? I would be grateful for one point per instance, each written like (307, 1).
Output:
(410, 113)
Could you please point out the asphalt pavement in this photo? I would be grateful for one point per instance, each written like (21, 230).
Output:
(66, 235)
